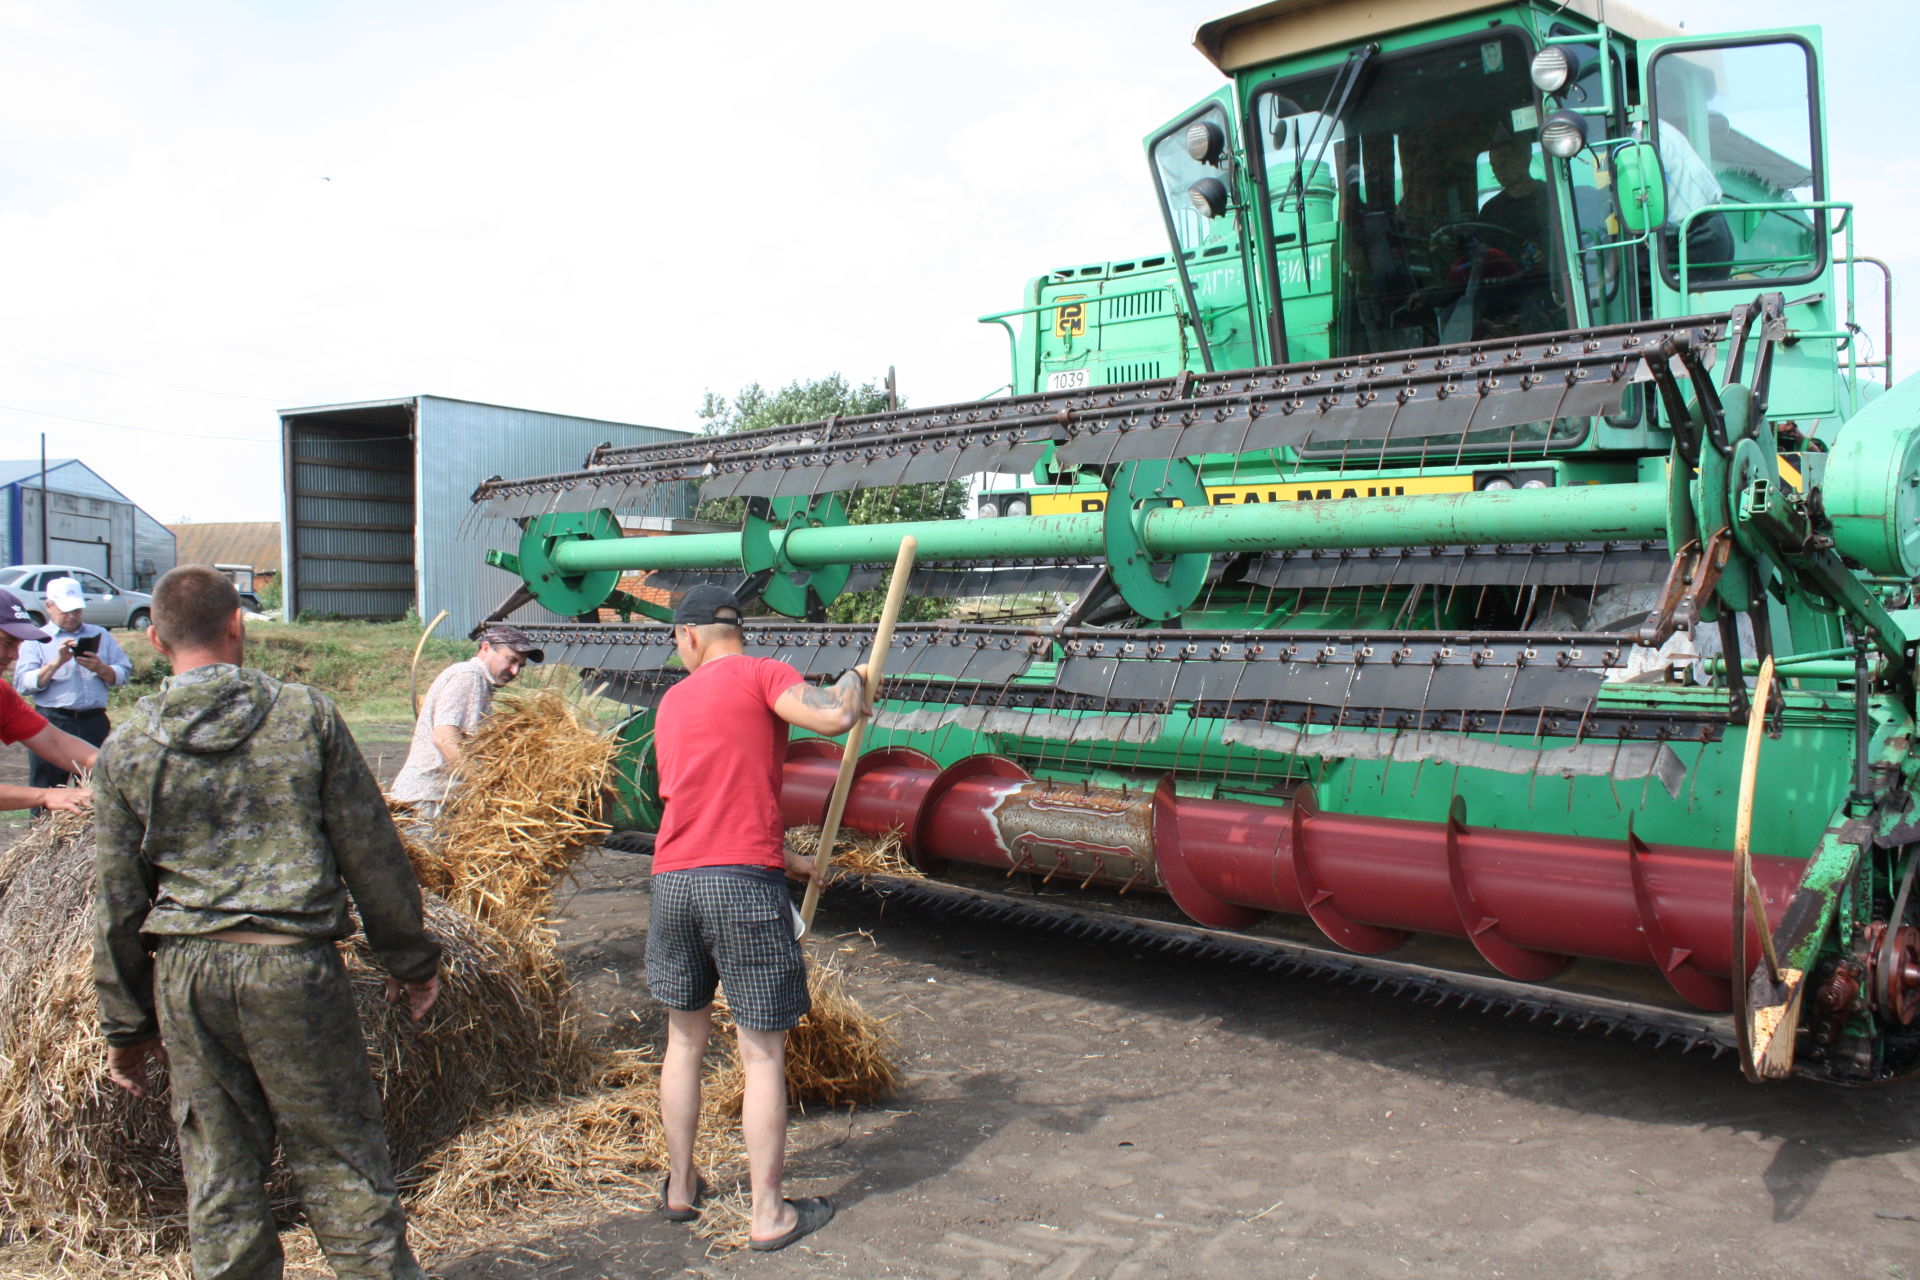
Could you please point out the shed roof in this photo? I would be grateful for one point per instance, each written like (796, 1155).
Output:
(254, 542)
(27, 471)
(1281, 28)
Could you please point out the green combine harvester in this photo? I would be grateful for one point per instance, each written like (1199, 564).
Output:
(1476, 554)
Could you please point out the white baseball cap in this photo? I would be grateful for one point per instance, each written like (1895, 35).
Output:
(65, 593)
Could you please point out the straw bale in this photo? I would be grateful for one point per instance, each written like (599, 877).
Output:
(526, 803)
(501, 1102)
(839, 1056)
(96, 1171)
(857, 853)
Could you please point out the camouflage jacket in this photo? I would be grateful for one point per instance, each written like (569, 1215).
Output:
(230, 800)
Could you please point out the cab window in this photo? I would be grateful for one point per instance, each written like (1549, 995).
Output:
(1422, 215)
(1734, 125)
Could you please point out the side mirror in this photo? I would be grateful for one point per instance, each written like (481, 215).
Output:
(1639, 187)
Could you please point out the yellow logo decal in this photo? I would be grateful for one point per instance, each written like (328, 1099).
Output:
(1078, 502)
(1070, 321)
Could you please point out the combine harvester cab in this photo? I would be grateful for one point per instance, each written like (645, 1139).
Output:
(1472, 554)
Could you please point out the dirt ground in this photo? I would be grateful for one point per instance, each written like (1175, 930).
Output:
(1083, 1110)
(1077, 1110)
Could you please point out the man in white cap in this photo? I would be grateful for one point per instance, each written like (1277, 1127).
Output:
(459, 699)
(21, 723)
(69, 675)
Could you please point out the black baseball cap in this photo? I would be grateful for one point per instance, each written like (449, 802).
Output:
(705, 605)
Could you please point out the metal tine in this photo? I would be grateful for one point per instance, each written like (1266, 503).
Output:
(923, 468)
(720, 485)
(800, 482)
(843, 473)
(886, 471)
(584, 498)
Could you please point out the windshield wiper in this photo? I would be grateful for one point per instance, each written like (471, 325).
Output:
(1341, 94)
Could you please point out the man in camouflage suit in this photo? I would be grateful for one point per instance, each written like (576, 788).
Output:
(233, 816)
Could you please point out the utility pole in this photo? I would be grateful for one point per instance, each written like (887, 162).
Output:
(46, 515)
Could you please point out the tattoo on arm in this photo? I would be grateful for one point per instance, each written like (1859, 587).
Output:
(822, 699)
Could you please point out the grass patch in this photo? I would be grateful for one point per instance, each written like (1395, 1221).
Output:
(361, 665)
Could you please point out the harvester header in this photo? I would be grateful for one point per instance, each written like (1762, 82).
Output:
(1476, 551)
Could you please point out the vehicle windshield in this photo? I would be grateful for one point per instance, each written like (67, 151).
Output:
(1422, 216)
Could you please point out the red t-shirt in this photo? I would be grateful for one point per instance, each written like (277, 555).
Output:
(720, 748)
(18, 721)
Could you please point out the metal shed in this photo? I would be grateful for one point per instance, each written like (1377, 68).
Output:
(377, 502)
(92, 524)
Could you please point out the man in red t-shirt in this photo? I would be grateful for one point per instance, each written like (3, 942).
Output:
(721, 910)
(21, 723)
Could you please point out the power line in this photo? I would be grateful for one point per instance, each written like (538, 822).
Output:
(121, 426)
(177, 386)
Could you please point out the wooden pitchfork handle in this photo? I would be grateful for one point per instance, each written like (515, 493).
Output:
(413, 671)
(837, 805)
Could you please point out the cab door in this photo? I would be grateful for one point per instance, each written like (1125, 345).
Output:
(1740, 127)
(1198, 173)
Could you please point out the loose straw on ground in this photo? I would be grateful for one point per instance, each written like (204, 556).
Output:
(499, 1103)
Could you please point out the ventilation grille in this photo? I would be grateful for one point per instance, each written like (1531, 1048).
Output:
(1139, 371)
(1136, 306)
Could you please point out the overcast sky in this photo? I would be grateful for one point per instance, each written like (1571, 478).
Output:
(211, 211)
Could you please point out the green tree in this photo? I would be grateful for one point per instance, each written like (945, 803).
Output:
(754, 406)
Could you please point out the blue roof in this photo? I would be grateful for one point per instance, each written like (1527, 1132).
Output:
(12, 471)
(81, 478)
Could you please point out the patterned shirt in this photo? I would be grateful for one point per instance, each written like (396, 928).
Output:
(460, 696)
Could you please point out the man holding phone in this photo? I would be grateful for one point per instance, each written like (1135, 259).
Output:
(69, 675)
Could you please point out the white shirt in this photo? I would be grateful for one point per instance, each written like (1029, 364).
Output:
(72, 687)
(1690, 184)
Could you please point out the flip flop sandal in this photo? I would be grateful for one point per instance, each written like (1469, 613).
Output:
(682, 1215)
(814, 1212)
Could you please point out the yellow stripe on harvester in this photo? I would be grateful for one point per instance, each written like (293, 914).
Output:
(1074, 502)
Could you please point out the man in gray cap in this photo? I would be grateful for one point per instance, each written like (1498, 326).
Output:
(459, 699)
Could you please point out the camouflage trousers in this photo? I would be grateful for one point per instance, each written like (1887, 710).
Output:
(264, 1043)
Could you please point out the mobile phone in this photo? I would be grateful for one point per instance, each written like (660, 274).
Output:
(87, 644)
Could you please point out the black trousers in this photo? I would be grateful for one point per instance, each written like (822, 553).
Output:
(1710, 241)
(88, 726)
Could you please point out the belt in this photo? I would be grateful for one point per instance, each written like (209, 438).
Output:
(72, 713)
(254, 937)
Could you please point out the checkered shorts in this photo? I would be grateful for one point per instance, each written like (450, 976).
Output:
(711, 928)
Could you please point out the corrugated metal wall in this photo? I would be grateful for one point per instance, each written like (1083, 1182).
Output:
(461, 444)
(377, 522)
(153, 551)
(6, 526)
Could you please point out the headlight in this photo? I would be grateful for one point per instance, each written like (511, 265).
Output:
(1564, 134)
(1499, 484)
(1535, 484)
(1206, 142)
(1209, 196)
(1551, 69)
